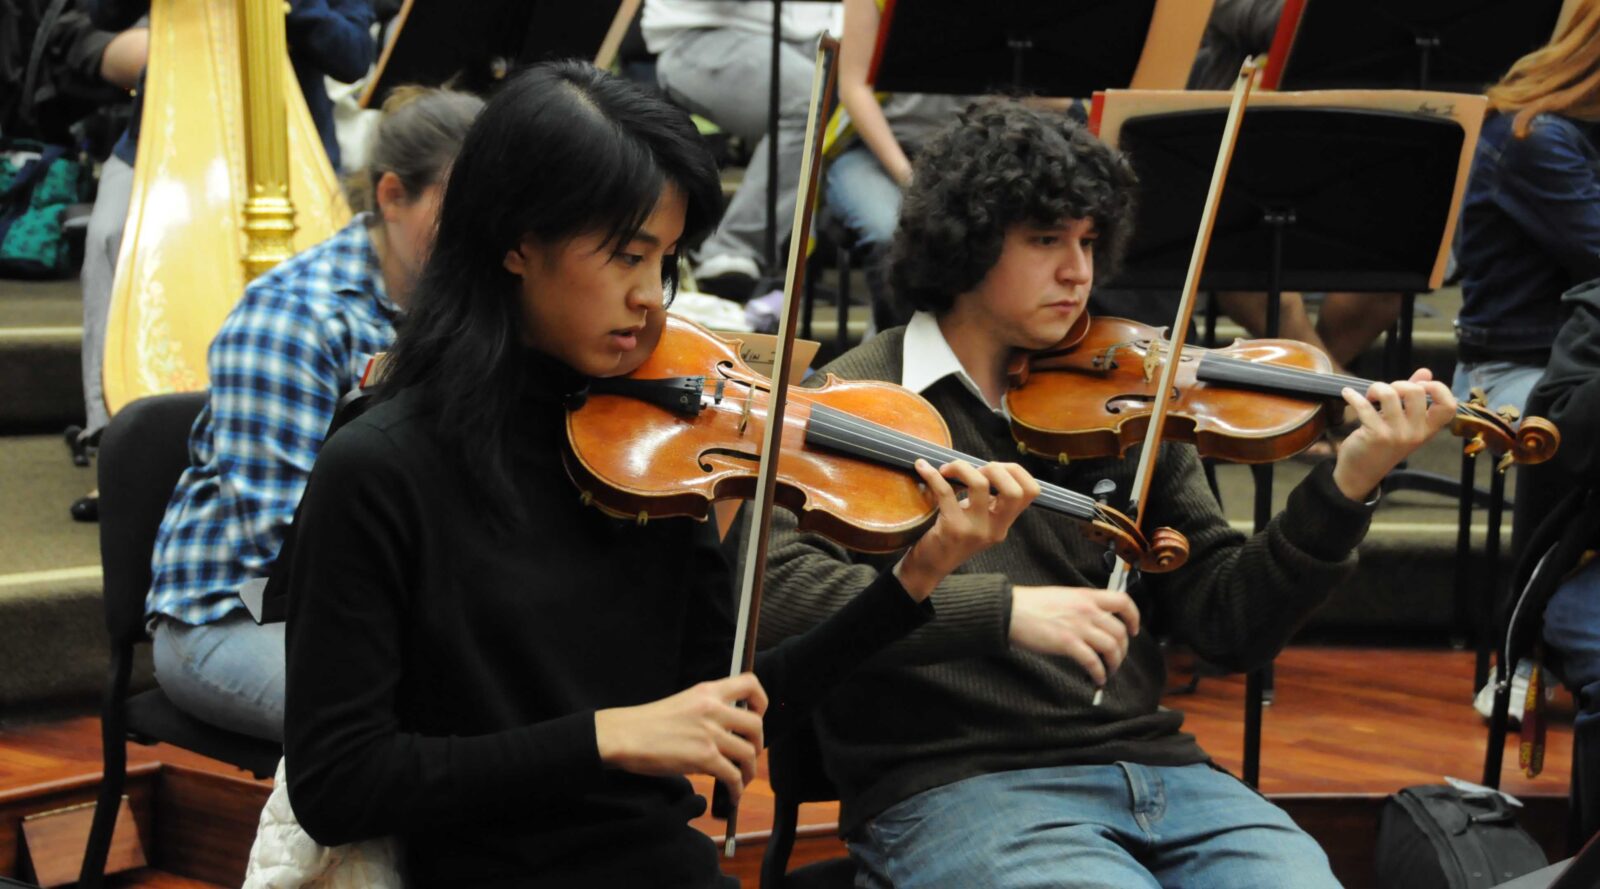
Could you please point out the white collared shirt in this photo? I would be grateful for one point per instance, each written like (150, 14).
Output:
(928, 359)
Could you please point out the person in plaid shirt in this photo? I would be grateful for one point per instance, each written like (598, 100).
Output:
(298, 340)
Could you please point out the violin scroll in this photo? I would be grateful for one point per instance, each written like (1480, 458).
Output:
(1537, 440)
(1167, 550)
(1528, 441)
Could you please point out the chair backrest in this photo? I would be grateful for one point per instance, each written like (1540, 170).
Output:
(142, 454)
(794, 767)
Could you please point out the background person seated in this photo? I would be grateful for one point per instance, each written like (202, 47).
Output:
(298, 340)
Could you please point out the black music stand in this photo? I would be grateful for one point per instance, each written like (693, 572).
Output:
(1307, 206)
(1458, 47)
(439, 40)
(1419, 44)
(1021, 47)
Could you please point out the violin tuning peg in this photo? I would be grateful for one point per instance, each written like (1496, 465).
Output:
(1477, 396)
(1103, 489)
(1505, 461)
(1509, 413)
(1474, 445)
(1109, 559)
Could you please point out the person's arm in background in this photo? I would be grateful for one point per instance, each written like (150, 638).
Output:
(335, 35)
(855, 62)
(124, 57)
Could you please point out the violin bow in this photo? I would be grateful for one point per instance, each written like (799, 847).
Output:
(1180, 325)
(755, 548)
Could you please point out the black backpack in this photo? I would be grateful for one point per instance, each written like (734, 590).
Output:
(1433, 836)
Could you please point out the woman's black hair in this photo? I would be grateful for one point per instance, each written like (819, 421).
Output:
(1003, 164)
(561, 150)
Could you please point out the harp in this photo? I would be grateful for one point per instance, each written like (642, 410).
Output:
(225, 141)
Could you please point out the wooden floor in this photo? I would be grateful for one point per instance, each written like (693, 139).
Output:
(1345, 721)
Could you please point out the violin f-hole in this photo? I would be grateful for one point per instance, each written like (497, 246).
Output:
(1135, 401)
(736, 454)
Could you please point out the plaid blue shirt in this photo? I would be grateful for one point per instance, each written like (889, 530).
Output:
(296, 342)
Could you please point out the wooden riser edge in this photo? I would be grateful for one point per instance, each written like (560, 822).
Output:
(201, 824)
(47, 796)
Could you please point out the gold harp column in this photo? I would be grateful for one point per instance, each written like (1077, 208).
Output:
(268, 211)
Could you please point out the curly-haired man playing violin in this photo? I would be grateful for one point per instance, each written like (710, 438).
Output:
(972, 754)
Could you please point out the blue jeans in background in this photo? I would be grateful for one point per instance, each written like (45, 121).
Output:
(1504, 382)
(1572, 629)
(1121, 825)
(859, 193)
(229, 673)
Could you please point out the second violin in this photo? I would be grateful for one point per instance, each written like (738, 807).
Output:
(1256, 401)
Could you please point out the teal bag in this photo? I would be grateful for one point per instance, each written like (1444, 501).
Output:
(37, 184)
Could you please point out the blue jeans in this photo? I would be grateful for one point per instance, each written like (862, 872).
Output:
(1504, 382)
(1122, 825)
(860, 192)
(229, 673)
(1572, 629)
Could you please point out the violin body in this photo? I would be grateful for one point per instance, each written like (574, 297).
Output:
(1091, 396)
(639, 460)
(684, 430)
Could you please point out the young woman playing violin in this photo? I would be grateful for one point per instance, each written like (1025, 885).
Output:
(997, 768)
(478, 662)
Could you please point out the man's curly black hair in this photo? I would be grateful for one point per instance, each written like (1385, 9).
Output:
(1003, 164)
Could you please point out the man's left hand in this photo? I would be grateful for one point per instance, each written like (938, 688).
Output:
(1407, 414)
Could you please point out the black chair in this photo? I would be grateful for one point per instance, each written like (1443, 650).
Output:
(1548, 554)
(142, 454)
(794, 767)
(834, 246)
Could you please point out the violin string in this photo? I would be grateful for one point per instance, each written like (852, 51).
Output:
(1053, 496)
(1298, 378)
(1050, 496)
(1296, 374)
(836, 427)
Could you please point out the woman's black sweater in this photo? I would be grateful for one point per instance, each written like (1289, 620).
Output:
(443, 672)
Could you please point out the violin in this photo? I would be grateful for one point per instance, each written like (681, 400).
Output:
(1256, 401)
(684, 430)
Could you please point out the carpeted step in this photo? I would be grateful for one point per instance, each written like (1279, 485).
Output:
(41, 333)
(57, 651)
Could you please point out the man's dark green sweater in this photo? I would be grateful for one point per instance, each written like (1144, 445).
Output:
(955, 699)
